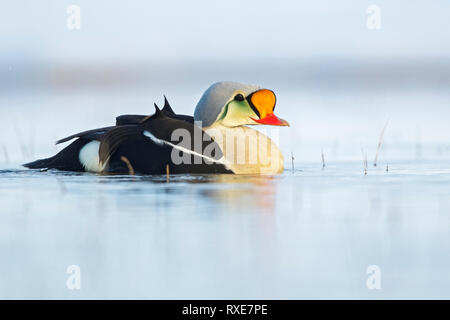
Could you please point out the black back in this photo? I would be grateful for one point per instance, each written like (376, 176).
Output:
(147, 155)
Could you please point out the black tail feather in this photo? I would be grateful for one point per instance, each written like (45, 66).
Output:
(40, 164)
(67, 159)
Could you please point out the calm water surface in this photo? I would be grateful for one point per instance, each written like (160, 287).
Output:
(308, 233)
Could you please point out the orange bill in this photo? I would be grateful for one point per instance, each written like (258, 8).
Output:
(263, 102)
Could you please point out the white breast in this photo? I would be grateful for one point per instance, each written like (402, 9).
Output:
(89, 157)
(247, 151)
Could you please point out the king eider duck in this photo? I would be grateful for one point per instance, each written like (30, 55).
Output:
(215, 140)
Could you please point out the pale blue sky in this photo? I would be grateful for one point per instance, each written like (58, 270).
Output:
(181, 31)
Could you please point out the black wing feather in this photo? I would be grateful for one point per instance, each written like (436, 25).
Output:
(127, 119)
(111, 140)
(93, 134)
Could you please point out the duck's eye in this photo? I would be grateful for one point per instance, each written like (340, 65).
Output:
(239, 97)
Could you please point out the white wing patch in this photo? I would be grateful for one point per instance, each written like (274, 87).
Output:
(89, 157)
(183, 149)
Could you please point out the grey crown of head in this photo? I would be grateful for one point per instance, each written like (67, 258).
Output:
(216, 97)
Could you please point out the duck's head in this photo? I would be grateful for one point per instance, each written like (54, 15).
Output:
(234, 104)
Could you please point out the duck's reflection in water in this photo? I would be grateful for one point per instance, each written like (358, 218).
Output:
(237, 193)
